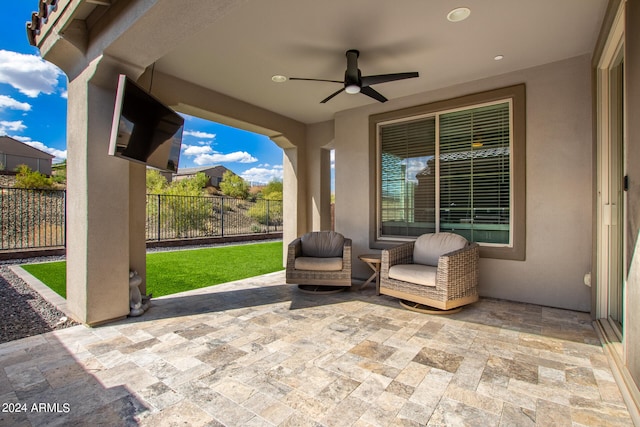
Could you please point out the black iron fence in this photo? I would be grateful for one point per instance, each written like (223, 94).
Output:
(32, 219)
(185, 217)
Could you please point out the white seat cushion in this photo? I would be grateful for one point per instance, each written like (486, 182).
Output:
(414, 273)
(429, 247)
(318, 264)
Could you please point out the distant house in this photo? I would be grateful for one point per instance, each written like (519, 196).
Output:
(14, 153)
(213, 172)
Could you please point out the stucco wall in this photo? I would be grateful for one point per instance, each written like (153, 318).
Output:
(558, 176)
(11, 162)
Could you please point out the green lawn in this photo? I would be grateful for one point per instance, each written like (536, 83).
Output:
(178, 271)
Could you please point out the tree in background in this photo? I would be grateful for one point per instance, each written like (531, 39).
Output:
(156, 183)
(233, 185)
(273, 190)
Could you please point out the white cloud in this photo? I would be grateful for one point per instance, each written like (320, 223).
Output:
(29, 74)
(235, 157)
(263, 175)
(8, 102)
(196, 150)
(199, 134)
(415, 166)
(60, 154)
(6, 127)
(205, 155)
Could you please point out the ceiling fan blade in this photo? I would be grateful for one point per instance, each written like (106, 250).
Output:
(331, 96)
(315, 80)
(371, 92)
(383, 78)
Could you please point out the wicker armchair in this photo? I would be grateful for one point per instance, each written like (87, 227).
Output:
(319, 258)
(437, 270)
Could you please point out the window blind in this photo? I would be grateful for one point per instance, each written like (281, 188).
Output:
(470, 169)
(475, 173)
(407, 205)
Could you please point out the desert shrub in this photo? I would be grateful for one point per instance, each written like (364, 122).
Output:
(26, 178)
(266, 212)
(181, 206)
(233, 185)
(156, 183)
(59, 172)
(272, 188)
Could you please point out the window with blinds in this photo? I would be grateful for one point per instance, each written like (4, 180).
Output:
(407, 199)
(449, 171)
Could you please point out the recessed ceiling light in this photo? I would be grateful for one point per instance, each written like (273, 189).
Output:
(279, 79)
(498, 57)
(459, 14)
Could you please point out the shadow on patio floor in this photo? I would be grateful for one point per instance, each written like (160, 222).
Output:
(259, 352)
(270, 289)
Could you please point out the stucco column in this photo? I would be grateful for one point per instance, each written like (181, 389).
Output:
(293, 204)
(98, 210)
(323, 219)
(318, 165)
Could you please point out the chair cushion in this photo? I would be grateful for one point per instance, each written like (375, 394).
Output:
(318, 264)
(429, 247)
(414, 273)
(322, 244)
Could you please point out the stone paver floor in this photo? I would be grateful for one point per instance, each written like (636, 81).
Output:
(261, 353)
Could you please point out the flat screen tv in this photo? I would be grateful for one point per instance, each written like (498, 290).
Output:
(145, 130)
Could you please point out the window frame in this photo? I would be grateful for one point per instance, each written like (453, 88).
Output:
(514, 94)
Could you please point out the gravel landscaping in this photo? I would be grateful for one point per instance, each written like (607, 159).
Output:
(23, 311)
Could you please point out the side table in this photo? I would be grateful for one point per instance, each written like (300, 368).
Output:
(373, 261)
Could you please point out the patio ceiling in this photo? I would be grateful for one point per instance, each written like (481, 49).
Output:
(303, 38)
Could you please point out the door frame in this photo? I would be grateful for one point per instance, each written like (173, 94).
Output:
(610, 212)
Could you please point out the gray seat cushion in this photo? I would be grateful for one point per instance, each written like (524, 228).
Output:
(414, 273)
(429, 247)
(318, 264)
(322, 244)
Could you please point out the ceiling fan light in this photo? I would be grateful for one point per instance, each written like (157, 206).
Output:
(352, 89)
(459, 14)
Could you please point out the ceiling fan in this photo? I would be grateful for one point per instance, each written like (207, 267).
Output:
(354, 82)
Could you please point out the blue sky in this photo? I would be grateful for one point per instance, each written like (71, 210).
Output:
(33, 105)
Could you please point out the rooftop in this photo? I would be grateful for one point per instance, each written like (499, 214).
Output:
(10, 145)
(192, 171)
(259, 352)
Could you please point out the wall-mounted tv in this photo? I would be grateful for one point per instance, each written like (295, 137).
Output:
(145, 130)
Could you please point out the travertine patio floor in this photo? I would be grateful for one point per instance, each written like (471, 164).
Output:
(259, 352)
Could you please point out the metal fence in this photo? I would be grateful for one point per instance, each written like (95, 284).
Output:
(184, 217)
(32, 219)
